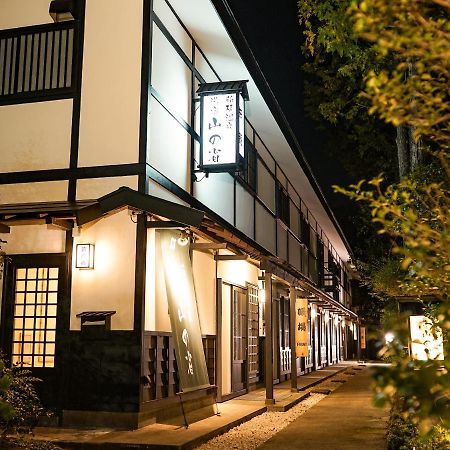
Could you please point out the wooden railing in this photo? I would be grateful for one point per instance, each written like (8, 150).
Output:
(160, 373)
(37, 62)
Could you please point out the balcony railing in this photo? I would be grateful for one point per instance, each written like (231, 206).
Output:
(37, 62)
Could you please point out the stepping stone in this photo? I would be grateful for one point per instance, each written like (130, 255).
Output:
(321, 391)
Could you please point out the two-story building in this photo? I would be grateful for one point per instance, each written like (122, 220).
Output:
(163, 229)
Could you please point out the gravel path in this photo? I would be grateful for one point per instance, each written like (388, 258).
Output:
(250, 435)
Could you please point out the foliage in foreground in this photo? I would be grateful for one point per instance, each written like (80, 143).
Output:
(20, 409)
(402, 434)
(413, 92)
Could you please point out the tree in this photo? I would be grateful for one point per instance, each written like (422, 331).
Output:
(337, 62)
(415, 35)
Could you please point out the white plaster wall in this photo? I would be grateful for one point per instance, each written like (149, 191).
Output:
(23, 13)
(237, 272)
(266, 187)
(35, 136)
(110, 285)
(245, 211)
(91, 188)
(169, 146)
(47, 191)
(204, 269)
(216, 192)
(24, 239)
(294, 252)
(265, 228)
(282, 241)
(169, 20)
(171, 77)
(158, 191)
(110, 100)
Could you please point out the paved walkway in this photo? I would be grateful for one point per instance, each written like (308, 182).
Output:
(175, 436)
(346, 420)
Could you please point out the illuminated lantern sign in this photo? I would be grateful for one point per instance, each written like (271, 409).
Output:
(222, 125)
(84, 256)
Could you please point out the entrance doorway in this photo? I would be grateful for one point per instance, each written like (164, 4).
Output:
(32, 317)
(239, 314)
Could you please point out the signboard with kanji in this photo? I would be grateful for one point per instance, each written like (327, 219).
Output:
(301, 327)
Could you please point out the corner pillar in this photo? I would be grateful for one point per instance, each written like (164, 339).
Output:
(268, 344)
(292, 317)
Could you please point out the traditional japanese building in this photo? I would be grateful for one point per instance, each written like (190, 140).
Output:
(161, 230)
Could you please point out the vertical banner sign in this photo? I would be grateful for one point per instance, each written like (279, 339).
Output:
(301, 327)
(363, 337)
(183, 312)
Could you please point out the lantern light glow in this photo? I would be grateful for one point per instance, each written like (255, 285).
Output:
(222, 107)
(84, 258)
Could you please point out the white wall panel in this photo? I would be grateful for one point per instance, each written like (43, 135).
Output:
(266, 187)
(263, 152)
(35, 136)
(110, 103)
(294, 217)
(282, 241)
(169, 146)
(216, 192)
(171, 77)
(294, 252)
(23, 13)
(237, 272)
(174, 27)
(265, 228)
(204, 68)
(90, 188)
(110, 285)
(204, 270)
(26, 239)
(245, 212)
(158, 191)
(47, 191)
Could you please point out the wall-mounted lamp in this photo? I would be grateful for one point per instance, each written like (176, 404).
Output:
(84, 258)
(63, 10)
(184, 239)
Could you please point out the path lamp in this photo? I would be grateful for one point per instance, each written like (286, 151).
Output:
(222, 125)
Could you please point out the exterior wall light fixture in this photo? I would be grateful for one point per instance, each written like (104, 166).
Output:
(63, 10)
(222, 125)
(184, 239)
(84, 258)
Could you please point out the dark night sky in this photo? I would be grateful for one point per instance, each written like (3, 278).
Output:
(274, 34)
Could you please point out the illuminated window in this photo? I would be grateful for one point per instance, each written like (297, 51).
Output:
(34, 326)
(253, 330)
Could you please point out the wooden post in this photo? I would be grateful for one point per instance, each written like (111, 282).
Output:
(268, 344)
(292, 322)
(219, 338)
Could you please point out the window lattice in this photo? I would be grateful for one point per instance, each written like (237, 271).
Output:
(253, 329)
(35, 305)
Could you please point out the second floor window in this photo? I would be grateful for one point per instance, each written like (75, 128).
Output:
(283, 212)
(249, 166)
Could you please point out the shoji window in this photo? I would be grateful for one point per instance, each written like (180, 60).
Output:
(35, 307)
